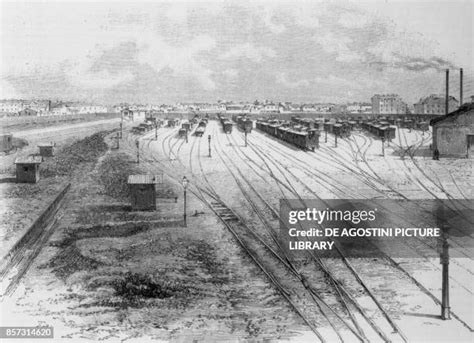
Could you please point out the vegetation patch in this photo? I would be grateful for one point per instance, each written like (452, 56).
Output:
(134, 285)
(70, 260)
(87, 150)
(113, 175)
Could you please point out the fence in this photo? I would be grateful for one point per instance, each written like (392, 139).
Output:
(37, 227)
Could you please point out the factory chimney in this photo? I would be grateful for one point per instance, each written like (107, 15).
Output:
(447, 92)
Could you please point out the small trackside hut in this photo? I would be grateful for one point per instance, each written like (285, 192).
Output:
(453, 134)
(46, 149)
(143, 192)
(6, 142)
(27, 169)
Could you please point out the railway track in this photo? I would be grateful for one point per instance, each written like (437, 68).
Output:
(239, 230)
(396, 265)
(265, 222)
(222, 210)
(424, 243)
(218, 206)
(346, 262)
(361, 282)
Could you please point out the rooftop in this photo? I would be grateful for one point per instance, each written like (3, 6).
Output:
(32, 159)
(144, 179)
(43, 145)
(463, 109)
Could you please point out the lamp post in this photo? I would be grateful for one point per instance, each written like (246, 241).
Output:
(445, 309)
(185, 186)
(444, 260)
(245, 137)
(156, 130)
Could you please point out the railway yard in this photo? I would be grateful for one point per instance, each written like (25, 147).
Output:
(101, 271)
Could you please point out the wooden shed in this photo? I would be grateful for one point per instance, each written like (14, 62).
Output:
(6, 142)
(453, 134)
(27, 169)
(143, 192)
(46, 149)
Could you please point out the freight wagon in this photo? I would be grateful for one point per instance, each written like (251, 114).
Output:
(306, 140)
(173, 122)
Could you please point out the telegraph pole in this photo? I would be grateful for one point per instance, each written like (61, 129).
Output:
(137, 143)
(209, 143)
(335, 136)
(383, 148)
(245, 138)
(121, 128)
(118, 140)
(156, 131)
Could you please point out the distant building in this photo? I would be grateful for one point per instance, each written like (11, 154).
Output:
(359, 108)
(27, 112)
(453, 134)
(435, 104)
(271, 107)
(235, 108)
(388, 104)
(27, 169)
(12, 106)
(61, 110)
(308, 108)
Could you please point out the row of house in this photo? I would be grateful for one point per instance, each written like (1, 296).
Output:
(434, 104)
(14, 107)
(235, 108)
(30, 107)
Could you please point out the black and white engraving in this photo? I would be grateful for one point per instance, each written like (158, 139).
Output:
(228, 171)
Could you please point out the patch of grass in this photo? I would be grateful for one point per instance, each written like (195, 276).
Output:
(134, 288)
(113, 175)
(205, 254)
(69, 157)
(69, 261)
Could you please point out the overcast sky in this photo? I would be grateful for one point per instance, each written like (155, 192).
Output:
(166, 52)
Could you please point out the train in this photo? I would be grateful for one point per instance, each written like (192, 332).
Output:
(186, 125)
(381, 129)
(244, 123)
(201, 128)
(142, 128)
(226, 124)
(340, 129)
(306, 139)
(173, 122)
(182, 132)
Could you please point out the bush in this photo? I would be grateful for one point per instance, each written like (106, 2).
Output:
(135, 285)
